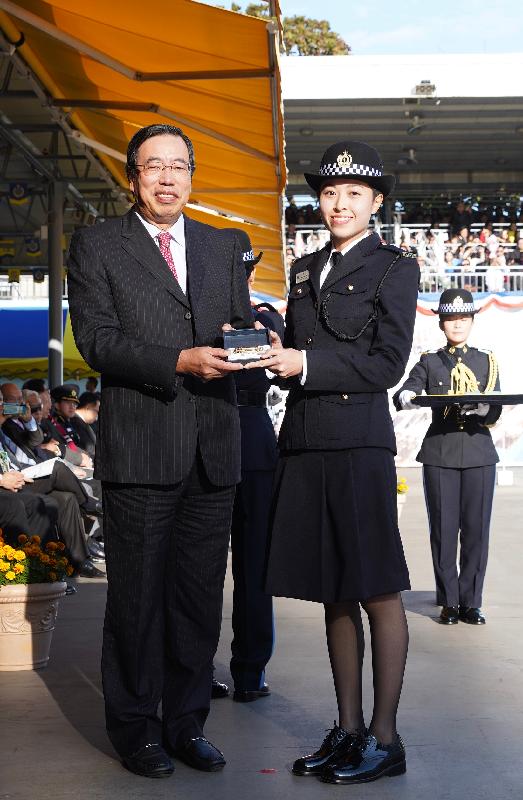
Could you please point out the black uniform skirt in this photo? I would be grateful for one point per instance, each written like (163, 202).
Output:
(335, 530)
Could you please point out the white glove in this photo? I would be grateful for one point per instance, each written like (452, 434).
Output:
(481, 410)
(405, 399)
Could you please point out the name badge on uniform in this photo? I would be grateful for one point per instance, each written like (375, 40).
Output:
(302, 276)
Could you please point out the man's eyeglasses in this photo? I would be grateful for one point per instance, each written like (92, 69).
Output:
(155, 168)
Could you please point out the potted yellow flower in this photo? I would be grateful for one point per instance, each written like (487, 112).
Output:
(31, 583)
(402, 488)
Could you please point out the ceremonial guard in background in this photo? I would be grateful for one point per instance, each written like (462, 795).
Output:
(459, 458)
(252, 617)
(335, 537)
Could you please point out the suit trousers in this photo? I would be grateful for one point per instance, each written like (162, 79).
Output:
(166, 553)
(28, 513)
(252, 619)
(459, 506)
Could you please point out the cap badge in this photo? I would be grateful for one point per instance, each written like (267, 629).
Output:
(73, 393)
(344, 160)
(458, 301)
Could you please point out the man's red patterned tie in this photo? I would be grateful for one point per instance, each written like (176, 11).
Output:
(164, 240)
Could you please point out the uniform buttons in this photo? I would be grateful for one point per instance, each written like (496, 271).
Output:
(350, 287)
(299, 291)
(309, 340)
(345, 396)
(188, 315)
(440, 383)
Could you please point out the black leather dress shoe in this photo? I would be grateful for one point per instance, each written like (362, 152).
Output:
(88, 570)
(151, 761)
(338, 744)
(93, 507)
(200, 754)
(473, 616)
(219, 690)
(249, 695)
(376, 761)
(449, 615)
(96, 551)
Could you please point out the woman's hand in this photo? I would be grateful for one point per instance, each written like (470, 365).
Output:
(282, 361)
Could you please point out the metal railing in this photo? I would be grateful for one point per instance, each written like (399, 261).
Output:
(478, 280)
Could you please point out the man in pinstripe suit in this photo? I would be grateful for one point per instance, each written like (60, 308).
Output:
(149, 294)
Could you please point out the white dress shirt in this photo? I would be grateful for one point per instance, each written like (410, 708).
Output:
(177, 245)
(323, 276)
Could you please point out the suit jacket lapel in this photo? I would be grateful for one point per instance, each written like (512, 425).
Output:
(137, 242)
(352, 260)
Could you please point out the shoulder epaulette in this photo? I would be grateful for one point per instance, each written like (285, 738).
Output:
(428, 352)
(398, 250)
(482, 350)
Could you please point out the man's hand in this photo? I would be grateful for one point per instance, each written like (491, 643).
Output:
(86, 461)
(13, 481)
(28, 413)
(207, 363)
(52, 446)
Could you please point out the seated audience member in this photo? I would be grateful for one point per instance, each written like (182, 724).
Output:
(495, 276)
(518, 252)
(21, 428)
(91, 384)
(24, 512)
(61, 491)
(86, 414)
(58, 425)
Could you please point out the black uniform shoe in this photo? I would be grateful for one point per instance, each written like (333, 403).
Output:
(449, 615)
(375, 761)
(88, 570)
(200, 754)
(151, 761)
(219, 690)
(473, 616)
(338, 744)
(248, 695)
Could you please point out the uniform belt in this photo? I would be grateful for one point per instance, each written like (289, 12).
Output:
(249, 398)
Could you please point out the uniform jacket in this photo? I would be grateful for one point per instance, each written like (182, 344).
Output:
(259, 449)
(453, 440)
(131, 320)
(344, 401)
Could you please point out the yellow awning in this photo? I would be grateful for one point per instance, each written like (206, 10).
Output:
(116, 65)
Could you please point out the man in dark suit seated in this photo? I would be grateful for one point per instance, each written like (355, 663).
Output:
(86, 414)
(149, 295)
(64, 488)
(23, 428)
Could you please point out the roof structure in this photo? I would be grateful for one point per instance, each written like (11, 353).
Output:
(78, 79)
(447, 124)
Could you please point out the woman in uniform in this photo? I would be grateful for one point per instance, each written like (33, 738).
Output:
(459, 459)
(335, 539)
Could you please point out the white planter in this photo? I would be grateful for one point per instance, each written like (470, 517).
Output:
(27, 618)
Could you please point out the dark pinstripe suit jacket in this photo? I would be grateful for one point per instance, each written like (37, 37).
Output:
(130, 321)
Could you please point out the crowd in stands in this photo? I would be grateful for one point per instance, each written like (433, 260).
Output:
(47, 443)
(458, 249)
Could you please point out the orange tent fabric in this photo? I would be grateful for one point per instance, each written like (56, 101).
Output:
(116, 66)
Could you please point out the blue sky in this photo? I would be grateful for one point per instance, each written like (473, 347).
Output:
(414, 26)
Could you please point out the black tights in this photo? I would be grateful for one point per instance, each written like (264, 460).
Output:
(389, 644)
